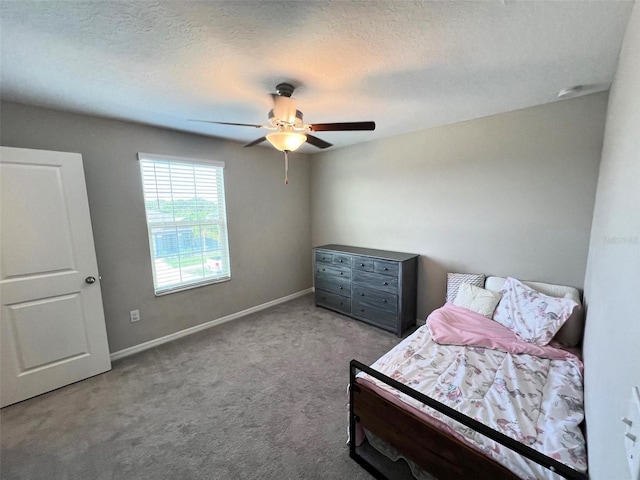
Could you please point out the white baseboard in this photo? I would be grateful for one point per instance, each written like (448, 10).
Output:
(203, 326)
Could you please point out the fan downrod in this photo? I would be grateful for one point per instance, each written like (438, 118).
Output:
(285, 89)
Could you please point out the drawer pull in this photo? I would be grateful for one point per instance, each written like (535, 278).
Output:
(385, 283)
(362, 309)
(362, 294)
(341, 288)
(340, 261)
(384, 300)
(341, 273)
(386, 269)
(362, 264)
(323, 269)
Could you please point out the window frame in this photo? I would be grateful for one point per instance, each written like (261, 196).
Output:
(223, 223)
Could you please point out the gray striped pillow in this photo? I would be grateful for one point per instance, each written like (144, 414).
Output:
(454, 280)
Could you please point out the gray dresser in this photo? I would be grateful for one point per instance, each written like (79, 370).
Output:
(375, 286)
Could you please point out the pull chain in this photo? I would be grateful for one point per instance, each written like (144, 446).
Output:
(286, 167)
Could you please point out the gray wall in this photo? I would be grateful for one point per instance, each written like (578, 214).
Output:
(510, 194)
(612, 285)
(269, 224)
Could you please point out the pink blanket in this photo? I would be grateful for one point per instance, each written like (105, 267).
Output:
(452, 325)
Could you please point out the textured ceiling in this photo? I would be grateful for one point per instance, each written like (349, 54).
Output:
(405, 65)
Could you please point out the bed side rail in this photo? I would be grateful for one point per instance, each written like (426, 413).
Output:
(524, 450)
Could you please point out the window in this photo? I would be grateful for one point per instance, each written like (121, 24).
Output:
(186, 220)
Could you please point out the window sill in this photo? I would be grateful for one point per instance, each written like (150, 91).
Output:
(182, 288)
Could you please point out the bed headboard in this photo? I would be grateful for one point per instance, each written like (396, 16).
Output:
(495, 285)
(571, 332)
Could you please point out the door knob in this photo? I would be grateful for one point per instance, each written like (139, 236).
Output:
(90, 280)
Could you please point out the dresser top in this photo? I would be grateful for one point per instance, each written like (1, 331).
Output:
(369, 252)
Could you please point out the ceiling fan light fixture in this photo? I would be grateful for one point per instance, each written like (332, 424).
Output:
(286, 141)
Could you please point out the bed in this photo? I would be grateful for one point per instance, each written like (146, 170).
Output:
(480, 391)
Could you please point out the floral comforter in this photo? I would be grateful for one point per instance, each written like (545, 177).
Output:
(534, 396)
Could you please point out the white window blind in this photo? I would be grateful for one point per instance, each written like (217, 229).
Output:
(187, 222)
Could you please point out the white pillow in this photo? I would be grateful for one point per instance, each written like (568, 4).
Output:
(477, 299)
(533, 316)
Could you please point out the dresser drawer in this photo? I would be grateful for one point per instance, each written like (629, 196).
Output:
(337, 271)
(363, 263)
(333, 301)
(376, 281)
(344, 260)
(323, 257)
(374, 315)
(340, 286)
(386, 268)
(375, 298)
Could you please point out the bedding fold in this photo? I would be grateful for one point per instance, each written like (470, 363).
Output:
(452, 325)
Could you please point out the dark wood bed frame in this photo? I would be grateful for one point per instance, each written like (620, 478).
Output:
(435, 451)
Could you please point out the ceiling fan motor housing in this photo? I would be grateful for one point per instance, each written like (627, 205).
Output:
(274, 121)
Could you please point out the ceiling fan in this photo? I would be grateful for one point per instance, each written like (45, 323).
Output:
(289, 131)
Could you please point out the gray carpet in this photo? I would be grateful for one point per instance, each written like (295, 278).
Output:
(259, 397)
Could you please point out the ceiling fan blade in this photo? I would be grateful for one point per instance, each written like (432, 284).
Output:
(337, 127)
(318, 142)
(228, 123)
(256, 142)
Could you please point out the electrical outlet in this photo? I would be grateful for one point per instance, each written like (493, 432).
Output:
(134, 315)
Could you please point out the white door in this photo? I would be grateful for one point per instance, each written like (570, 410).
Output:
(52, 330)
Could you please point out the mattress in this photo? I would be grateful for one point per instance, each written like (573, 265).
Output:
(529, 393)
